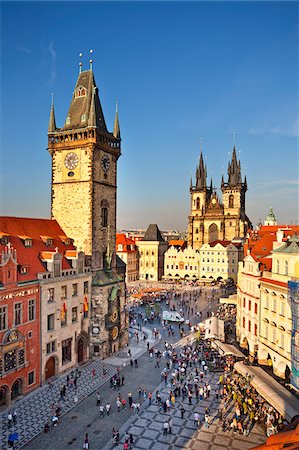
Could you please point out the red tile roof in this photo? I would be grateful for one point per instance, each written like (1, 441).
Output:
(177, 242)
(35, 229)
(275, 282)
(122, 239)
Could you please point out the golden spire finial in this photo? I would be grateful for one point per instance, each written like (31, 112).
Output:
(91, 60)
(80, 63)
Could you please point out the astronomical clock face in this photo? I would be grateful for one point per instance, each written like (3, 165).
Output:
(114, 314)
(114, 333)
(105, 163)
(71, 160)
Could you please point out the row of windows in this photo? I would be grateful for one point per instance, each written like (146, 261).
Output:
(219, 253)
(272, 336)
(249, 326)
(186, 257)
(284, 267)
(12, 360)
(18, 314)
(64, 318)
(183, 268)
(274, 306)
(249, 305)
(218, 269)
(147, 253)
(218, 260)
(64, 291)
(147, 264)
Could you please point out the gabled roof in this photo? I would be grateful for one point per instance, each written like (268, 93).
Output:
(153, 234)
(19, 227)
(291, 246)
(127, 243)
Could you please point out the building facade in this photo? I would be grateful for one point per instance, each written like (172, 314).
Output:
(127, 250)
(213, 219)
(48, 257)
(219, 260)
(19, 325)
(151, 252)
(181, 264)
(276, 314)
(84, 177)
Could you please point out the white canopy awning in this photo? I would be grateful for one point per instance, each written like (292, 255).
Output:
(227, 349)
(231, 299)
(280, 398)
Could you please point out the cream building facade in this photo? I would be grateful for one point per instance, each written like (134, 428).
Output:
(276, 316)
(181, 264)
(248, 304)
(65, 311)
(151, 252)
(219, 260)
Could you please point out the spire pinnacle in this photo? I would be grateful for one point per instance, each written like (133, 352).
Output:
(80, 62)
(52, 122)
(92, 120)
(116, 128)
(91, 60)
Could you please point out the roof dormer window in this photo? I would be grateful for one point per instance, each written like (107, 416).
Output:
(83, 118)
(68, 121)
(28, 242)
(80, 92)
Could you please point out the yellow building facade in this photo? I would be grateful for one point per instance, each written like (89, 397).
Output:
(151, 254)
(181, 264)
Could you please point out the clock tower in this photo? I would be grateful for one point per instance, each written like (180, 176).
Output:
(83, 201)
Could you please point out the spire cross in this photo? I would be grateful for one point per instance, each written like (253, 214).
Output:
(52, 99)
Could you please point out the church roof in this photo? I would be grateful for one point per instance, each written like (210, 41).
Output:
(153, 234)
(291, 246)
(85, 102)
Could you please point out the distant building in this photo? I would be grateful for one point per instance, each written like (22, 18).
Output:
(181, 263)
(151, 251)
(127, 250)
(270, 219)
(213, 219)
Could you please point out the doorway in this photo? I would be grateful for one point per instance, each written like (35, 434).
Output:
(50, 368)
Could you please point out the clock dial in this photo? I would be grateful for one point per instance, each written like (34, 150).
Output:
(114, 333)
(114, 314)
(105, 163)
(214, 201)
(71, 160)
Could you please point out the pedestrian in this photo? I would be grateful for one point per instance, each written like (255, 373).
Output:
(136, 363)
(182, 412)
(98, 399)
(118, 404)
(86, 442)
(14, 416)
(9, 419)
(102, 411)
(122, 380)
(130, 398)
(131, 363)
(169, 425)
(150, 395)
(108, 408)
(165, 427)
(93, 374)
(196, 419)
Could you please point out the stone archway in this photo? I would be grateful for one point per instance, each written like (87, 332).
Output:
(50, 368)
(82, 345)
(4, 400)
(213, 232)
(16, 389)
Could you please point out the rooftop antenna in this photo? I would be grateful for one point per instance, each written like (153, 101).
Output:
(80, 63)
(91, 60)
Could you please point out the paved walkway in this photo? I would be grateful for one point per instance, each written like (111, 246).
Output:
(35, 409)
(146, 427)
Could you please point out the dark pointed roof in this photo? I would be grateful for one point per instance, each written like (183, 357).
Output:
(234, 170)
(153, 234)
(52, 122)
(88, 104)
(201, 174)
(116, 128)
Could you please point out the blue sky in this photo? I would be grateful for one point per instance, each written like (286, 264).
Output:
(180, 72)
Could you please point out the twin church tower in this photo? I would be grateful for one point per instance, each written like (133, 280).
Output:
(210, 219)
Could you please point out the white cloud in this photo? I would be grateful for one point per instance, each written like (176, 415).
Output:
(290, 130)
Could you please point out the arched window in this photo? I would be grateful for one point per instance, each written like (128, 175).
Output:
(286, 268)
(104, 213)
(197, 203)
(80, 92)
(231, 201)
(277, 266)
(213, 232)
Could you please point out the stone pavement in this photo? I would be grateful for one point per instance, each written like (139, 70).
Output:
(35, 409)
(146, 427)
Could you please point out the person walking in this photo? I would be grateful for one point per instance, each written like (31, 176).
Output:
(165, 427)
(182, 412)
(108, 408)
(86, 442)
(9, 419)
(14, 416)
(169, 425)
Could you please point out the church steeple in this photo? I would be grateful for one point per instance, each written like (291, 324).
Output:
(85, 108)
(116, 128)
(52, 122)
(201, 174)
(234, 170)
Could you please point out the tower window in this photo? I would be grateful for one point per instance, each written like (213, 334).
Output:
(80, 92)
(104, 216)
(197, 203)
(83, 118)
(231, 201)
(68, 121)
